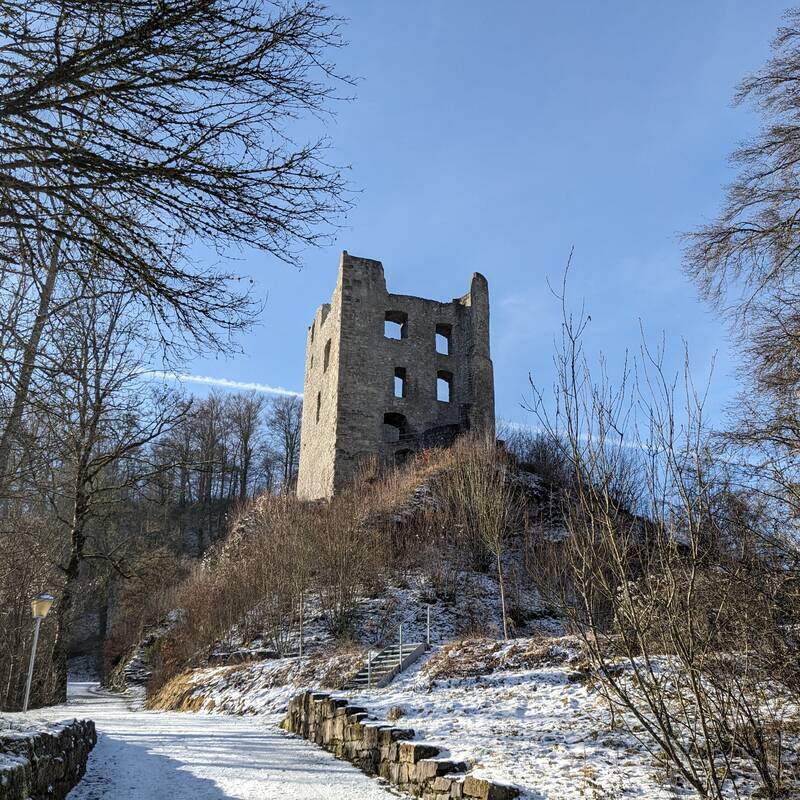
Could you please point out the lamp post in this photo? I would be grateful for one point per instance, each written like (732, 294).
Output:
(40, 605)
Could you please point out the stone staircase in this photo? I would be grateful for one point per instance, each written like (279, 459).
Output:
(389, 662)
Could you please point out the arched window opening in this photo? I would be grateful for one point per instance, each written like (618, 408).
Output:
(395, 426)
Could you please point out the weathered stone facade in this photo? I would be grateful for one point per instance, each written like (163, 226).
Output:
(46, 763)
(381, 749)
(366, 393)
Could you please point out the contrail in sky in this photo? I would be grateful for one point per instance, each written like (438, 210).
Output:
(223, 382)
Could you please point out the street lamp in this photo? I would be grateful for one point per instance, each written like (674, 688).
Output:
(40, 605)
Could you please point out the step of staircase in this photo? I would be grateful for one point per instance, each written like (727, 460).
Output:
(386, 665)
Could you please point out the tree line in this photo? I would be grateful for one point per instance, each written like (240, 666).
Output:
(120, 487)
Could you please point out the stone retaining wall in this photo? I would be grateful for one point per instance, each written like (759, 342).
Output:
(381, 749)
(45, 762)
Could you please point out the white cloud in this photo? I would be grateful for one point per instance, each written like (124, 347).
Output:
(225, 383)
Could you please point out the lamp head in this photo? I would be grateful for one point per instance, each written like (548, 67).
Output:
(40, 605)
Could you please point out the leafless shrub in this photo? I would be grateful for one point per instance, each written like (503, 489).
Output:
(536, 452)
(480, 504)
(281, 552)
(28, 550)
(350, 556)
(674, 579)
(143, 600)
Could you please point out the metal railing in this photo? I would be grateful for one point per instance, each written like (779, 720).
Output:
(385, 640)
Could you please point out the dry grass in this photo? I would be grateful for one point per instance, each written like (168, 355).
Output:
(281, 550)
(391, 490)
(179, 694)
(192, 690)
(472, 657)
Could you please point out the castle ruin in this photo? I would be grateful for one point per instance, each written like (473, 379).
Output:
(390, 374)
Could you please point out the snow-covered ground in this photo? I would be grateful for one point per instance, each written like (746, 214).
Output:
(512, 711)
(144, 755)
(532, 728)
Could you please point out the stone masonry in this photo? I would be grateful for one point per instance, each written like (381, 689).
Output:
(45, 763)
(380, 749)
(389, 374)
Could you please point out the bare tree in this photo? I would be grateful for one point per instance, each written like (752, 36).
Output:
(747, 264)
(482, 506)
(131, 129)
(102, 421)
(283, 426)
(246, 412)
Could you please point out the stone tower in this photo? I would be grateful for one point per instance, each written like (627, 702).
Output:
(388, 374)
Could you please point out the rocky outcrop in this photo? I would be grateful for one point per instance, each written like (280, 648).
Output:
(381, 749)
(136, 667)
(44, 762)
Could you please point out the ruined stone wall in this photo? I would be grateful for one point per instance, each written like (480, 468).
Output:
(320, 403)
(355, 393)
(381, 749)
(44, 763)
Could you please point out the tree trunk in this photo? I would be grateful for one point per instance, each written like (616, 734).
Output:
(244, 475)
(501, 581)
(65, 603)
(29, 355)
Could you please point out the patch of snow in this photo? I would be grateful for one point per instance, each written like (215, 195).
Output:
(531, 728)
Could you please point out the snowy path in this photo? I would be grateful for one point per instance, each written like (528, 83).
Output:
(142, 755)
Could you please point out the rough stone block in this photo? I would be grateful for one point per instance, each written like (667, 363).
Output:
(411, 752)
(47, 763)
(371, 735)
(401, 734)
(428, 769)
(481, 789)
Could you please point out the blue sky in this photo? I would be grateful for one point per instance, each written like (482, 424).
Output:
(496, 136)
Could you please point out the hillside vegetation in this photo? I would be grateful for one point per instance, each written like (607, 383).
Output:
(376, 555)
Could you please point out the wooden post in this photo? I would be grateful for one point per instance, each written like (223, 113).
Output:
(401, 645)
(301, 624)
(428, 635)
